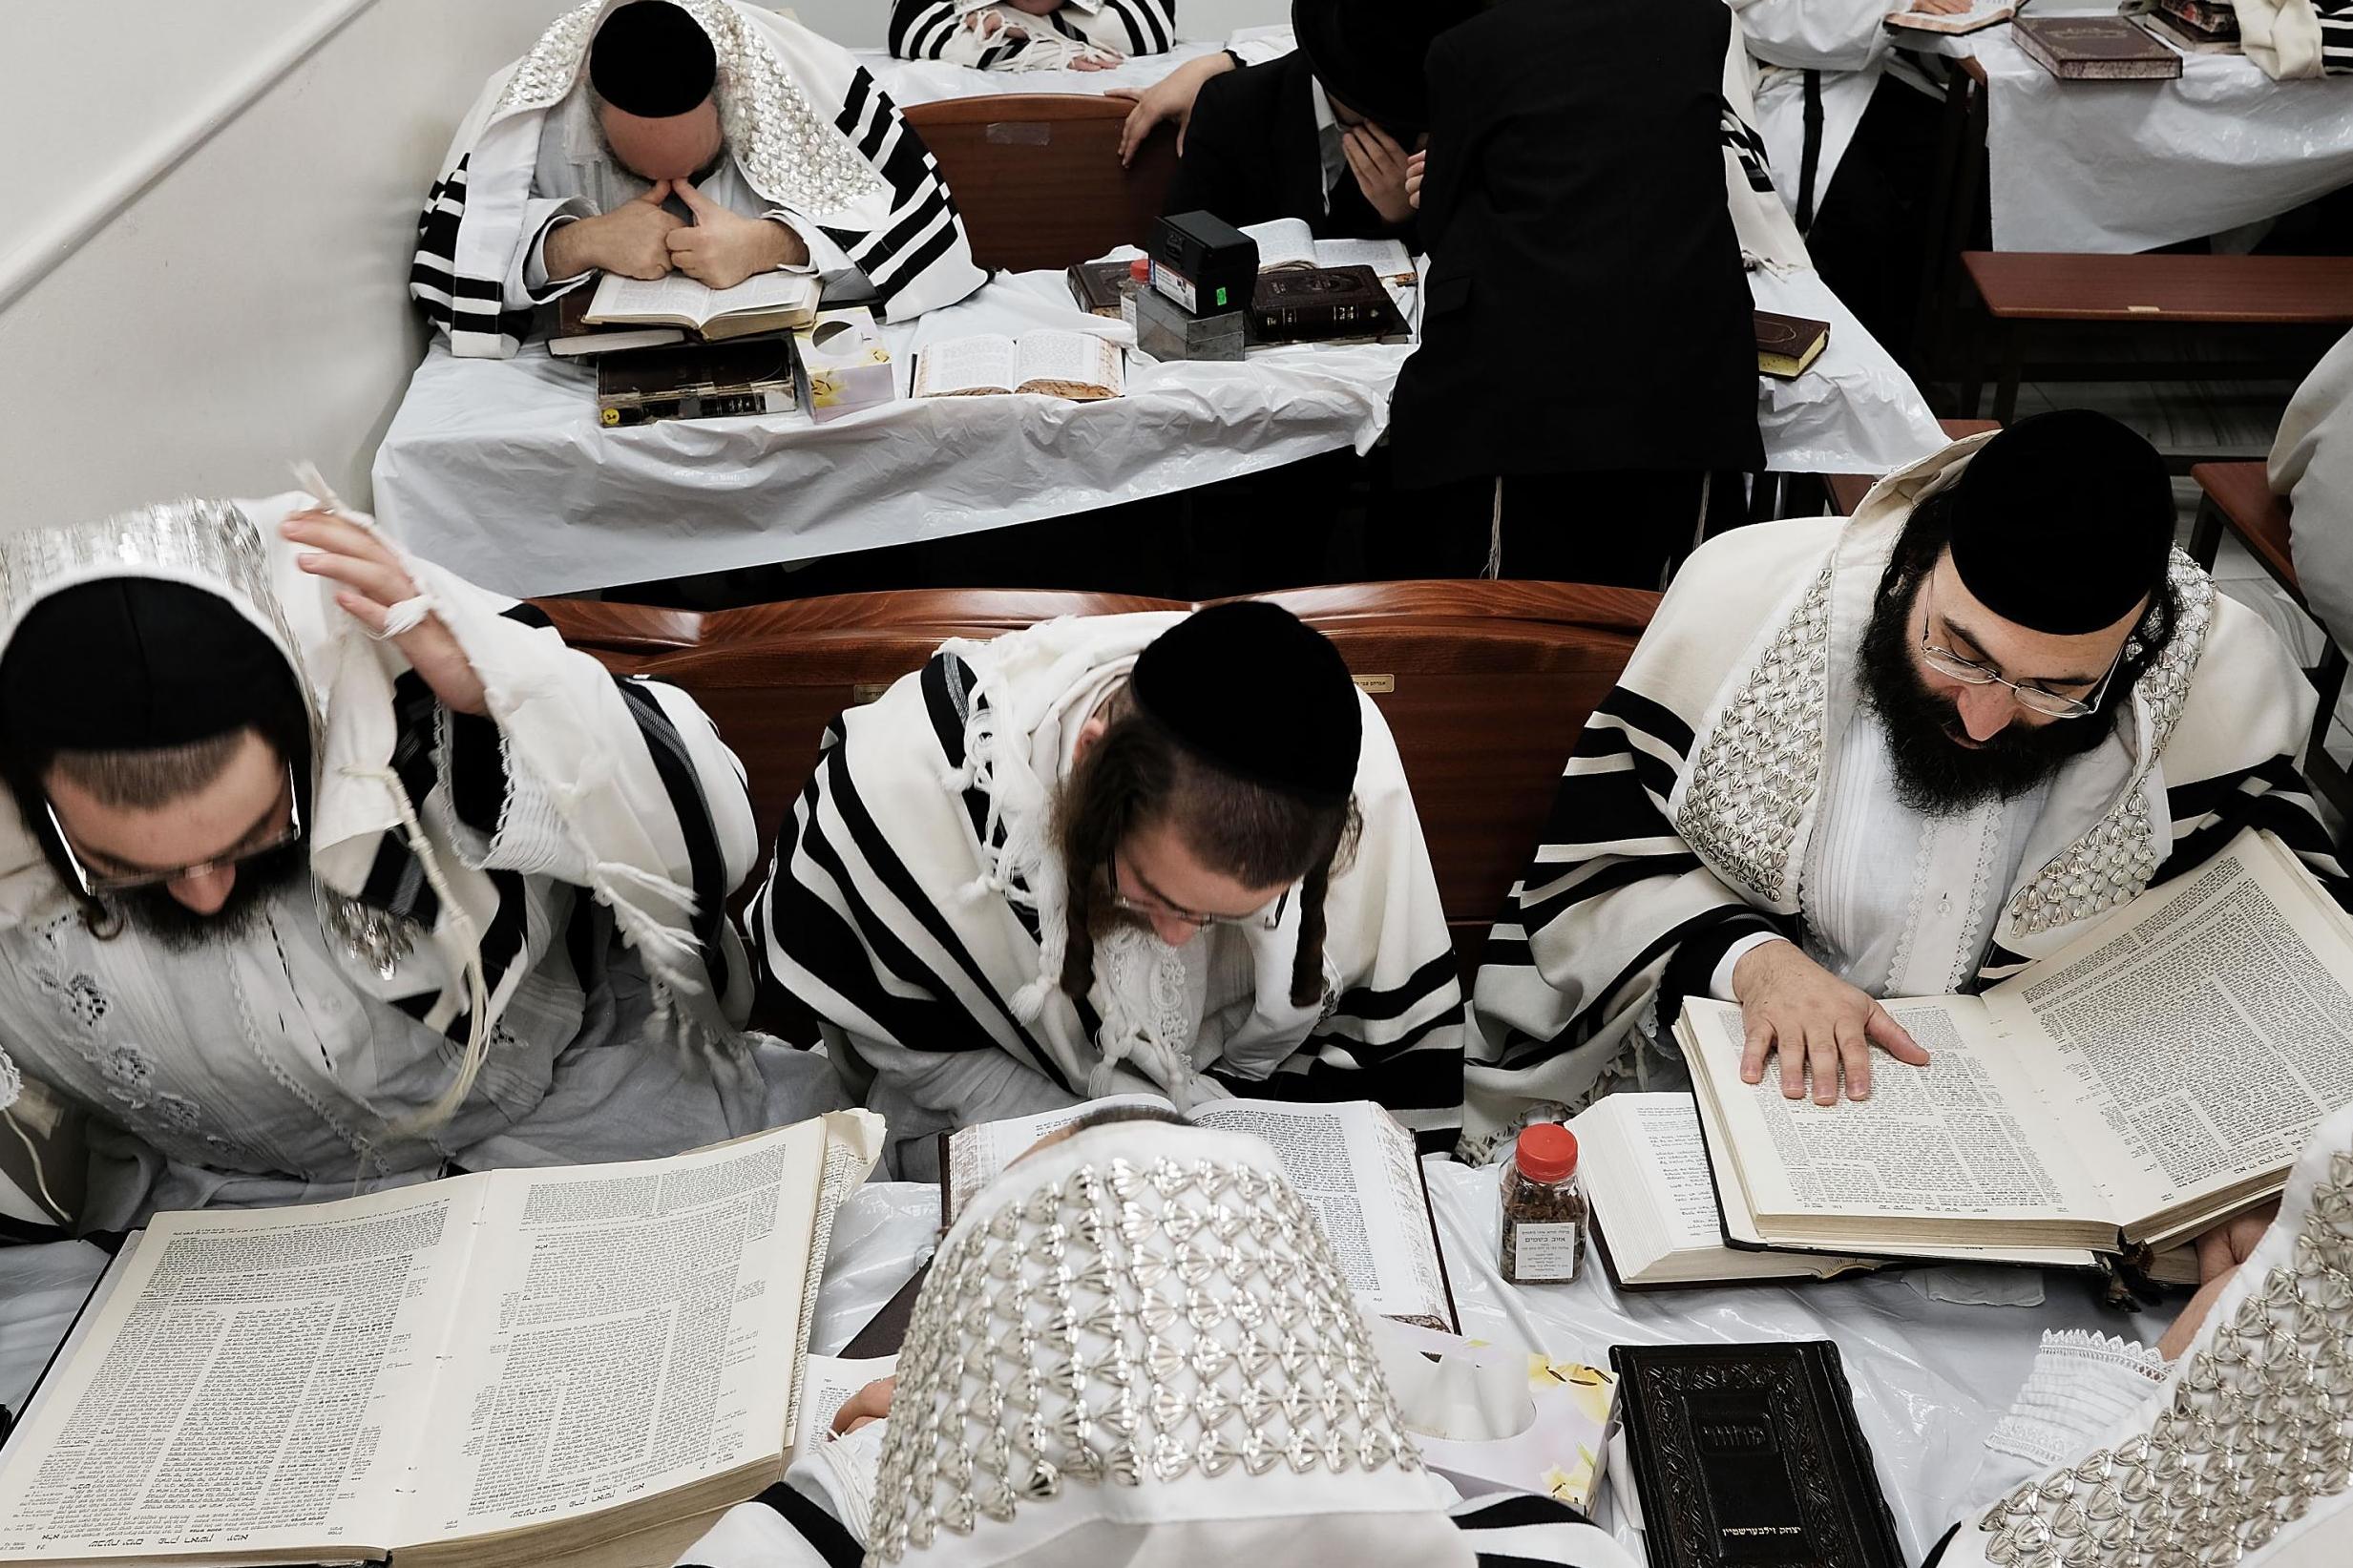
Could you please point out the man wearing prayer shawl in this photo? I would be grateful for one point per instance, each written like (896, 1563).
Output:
(711, 138)
(1072, 1395)
(321, 870)
(1141, 853)
(1897, 755)
(2229, 1443)
(1031, 34)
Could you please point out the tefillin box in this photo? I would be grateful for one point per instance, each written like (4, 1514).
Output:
(1203, 271)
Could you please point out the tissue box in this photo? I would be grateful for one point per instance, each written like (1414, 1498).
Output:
(848, 368)
(1495, 1417)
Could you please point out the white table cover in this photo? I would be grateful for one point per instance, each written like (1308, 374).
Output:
(2117, 167)
(1928, 1377)
(497, 469)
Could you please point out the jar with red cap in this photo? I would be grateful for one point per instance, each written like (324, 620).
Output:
(1544, 1207)
(1138, 279)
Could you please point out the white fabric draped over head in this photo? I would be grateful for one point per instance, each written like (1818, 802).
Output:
(1137, 1350)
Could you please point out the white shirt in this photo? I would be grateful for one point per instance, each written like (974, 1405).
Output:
(1898, 902)
(1327, 139)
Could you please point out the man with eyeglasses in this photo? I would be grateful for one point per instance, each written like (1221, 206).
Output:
(1897, 755)
(322, 869)
(1110, 854)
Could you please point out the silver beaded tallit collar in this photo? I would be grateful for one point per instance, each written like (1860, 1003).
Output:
(791, 153)
(1127, 1323)
(2256, 1429)
(1756, 774)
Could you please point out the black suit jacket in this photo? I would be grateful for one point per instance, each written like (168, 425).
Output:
(1252, 154)
(1586, 306)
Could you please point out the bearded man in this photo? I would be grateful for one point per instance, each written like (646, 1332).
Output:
(1900, 755)
(322, 869)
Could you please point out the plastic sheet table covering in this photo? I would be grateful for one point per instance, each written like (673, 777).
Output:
(1929, 1377)
(498, 470)
(2119, 167)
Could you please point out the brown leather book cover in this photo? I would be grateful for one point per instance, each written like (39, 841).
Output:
(697, 381)
(1096, 287)
(2094, 49)
(1314, 304)
(1787, 345)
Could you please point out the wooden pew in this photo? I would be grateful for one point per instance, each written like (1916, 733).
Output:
(1037, 176)
(1484, 684)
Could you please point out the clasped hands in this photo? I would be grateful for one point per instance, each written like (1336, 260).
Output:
(643, 238)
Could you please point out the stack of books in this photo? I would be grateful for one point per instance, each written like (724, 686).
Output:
(2198, 26)
(674, 348)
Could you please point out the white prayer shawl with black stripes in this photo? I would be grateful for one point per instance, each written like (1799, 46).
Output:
(407, 795)
(783, 1528)
(917, 910)
(807, 126)
(956, 31)
(2292, 40)
(1769, 235)
(1685, 812)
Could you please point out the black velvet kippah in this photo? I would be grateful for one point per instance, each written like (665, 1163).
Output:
(2062, 522)
(652, 59)
(1260, 693)
(133, 663)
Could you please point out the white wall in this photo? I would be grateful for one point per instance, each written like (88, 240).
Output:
(205, 271)
(212, 209)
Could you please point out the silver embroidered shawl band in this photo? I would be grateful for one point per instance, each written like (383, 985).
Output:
(1123, 1323)
(789, 152)
(2259, 1428)
(1759, 767)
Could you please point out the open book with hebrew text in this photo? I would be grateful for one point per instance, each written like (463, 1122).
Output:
(2153, 1078)
(505, 1368)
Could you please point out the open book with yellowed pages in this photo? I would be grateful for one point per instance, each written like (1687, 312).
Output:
(2153, 1078)
(767, 302)
(515, 1366)
(1080, 365)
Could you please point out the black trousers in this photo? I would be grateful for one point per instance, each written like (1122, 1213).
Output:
(1621, 528)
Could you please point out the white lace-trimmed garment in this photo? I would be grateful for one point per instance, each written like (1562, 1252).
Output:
(1136, 1351)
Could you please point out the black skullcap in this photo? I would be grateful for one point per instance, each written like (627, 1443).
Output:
(1370, 53)
(133, 663)
(652, 59)
(2062, 522)
(1259, 693)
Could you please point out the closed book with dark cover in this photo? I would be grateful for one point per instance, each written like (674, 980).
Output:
(1096, 287)
(2094, 49)
(1315, 303)
(697, 381)
(1787, 345)
(1748, 1456)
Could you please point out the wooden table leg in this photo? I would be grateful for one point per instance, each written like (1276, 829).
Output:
(2014, 366)
(2206, 534)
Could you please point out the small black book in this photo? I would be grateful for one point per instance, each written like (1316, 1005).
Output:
(1748, 1456)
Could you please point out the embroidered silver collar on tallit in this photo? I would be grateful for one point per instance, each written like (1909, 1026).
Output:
(2259, 1429)
(790, 153)
(1126, 1324)
(1759, 769)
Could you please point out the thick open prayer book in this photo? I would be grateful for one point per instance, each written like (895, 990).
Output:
(1078, 366)
(1351, 1161)
(769, 301)
(1288, 242)
(1981, 14)
(513, 1368)
(2156, 1075)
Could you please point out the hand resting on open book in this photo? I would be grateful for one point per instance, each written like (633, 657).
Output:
(1820, 1027)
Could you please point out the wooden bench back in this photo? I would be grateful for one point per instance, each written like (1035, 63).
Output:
(1485, 685)
(1037, 176)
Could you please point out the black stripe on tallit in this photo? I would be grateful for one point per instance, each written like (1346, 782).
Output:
(1374, 1004)
(707, 866)
(1601, 876)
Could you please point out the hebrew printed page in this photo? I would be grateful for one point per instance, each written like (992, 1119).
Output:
(256, 1382)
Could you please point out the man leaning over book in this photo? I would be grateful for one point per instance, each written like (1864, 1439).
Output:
(715, 139)
(1111, 854)
(322, 869)
(1897, 755)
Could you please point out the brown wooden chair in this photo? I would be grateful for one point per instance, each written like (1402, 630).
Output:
(1037, 176)
(1847, 490)
(2238, 497)
(1485, 685)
